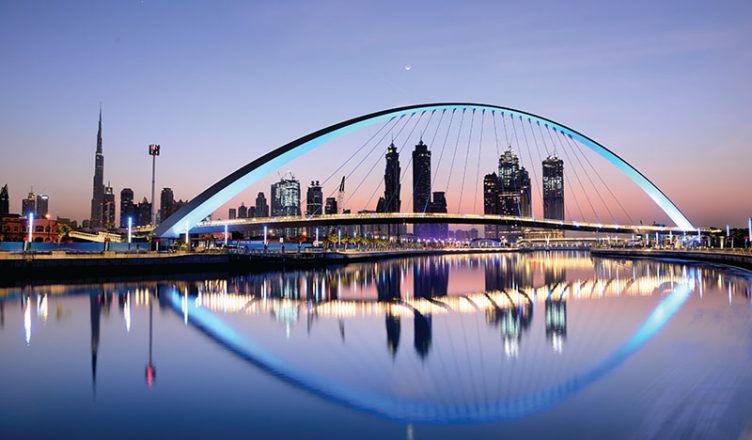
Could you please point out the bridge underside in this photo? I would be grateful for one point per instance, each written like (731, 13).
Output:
(421, 218)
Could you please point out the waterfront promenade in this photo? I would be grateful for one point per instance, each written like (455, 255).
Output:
(732, 257)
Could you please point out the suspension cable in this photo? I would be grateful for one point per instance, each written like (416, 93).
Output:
(443, 145)
(573, 193)
(532, 163)
(378, 159)
(577, 157)
(576, 175)
(456, 144)
(464, 169)
(578, 148)
(477, 168)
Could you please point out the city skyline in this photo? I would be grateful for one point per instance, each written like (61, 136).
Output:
(698, 55)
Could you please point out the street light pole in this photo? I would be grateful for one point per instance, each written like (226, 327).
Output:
(153, 152)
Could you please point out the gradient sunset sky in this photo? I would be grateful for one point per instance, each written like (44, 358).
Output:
(666, 85)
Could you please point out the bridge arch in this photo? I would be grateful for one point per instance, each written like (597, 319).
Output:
(221, 192)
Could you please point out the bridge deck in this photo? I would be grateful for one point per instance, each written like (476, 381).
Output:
(420, 218)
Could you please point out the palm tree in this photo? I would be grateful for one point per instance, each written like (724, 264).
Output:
(63, 230)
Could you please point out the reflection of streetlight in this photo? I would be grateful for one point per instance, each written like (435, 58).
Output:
(151, 371)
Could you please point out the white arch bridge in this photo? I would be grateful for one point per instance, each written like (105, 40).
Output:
(539, 134)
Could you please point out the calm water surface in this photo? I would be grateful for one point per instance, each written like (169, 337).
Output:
(556, 345)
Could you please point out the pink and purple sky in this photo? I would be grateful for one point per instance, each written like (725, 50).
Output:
(665, 85)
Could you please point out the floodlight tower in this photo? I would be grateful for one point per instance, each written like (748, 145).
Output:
(153, 152)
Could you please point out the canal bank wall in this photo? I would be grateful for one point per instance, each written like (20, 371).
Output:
(21, 268)
(741, 259)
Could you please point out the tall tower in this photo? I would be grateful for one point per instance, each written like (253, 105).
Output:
(4, 201)
(421, 185)
(97, 198)
(491, 202)
(127, 208)
(392, 187)
(314, 199)
(553, 188)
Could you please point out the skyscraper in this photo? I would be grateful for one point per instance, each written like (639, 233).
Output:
(144, 213)
(166, 203)
(127, 208)
(553, 188)
(97, 198)
(514, 186)
(232, 214)
(491, 202)
(421, 185)
(29, 205)
(242, 211)
(314, 199)
(286, 200)
(391, 201)
(526, 195)
(262, 207)
(331, 206)
(43, 205)
(439, 206)
(4, 200)
(108, 208)
(286, 197)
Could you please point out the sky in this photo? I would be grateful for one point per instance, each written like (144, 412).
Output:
(217, 84)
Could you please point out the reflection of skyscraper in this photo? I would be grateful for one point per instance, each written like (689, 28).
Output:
(556, 323)
(393, 328)
(430, 277)
(388, 282)
(94, 313)
(422, 328)
(553, 188)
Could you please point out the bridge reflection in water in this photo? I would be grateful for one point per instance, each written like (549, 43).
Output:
(476, 356)
(451, 339)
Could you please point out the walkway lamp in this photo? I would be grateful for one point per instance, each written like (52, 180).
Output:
(749, 230)
(225, 235)
(31, 229)
(130, 231)
(187, 236)
(266, 231)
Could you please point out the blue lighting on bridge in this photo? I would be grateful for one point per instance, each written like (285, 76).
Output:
(428, 411)
(223, 193)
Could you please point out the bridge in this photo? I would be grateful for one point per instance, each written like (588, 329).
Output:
(432, 218)
(526, 139)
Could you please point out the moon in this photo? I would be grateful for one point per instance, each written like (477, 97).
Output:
(408, 67)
